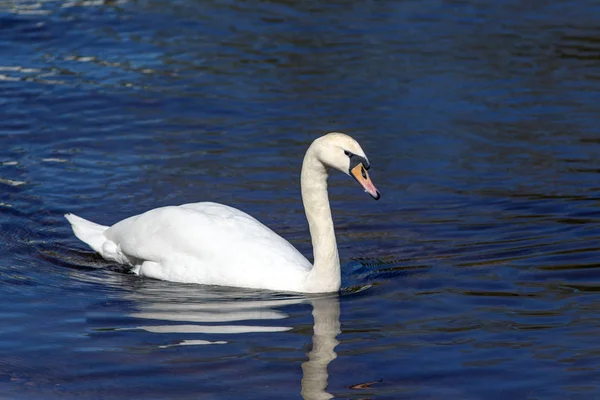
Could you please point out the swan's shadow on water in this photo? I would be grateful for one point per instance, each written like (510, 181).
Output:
(192, 309)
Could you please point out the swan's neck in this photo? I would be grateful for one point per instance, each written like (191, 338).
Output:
(325, 275)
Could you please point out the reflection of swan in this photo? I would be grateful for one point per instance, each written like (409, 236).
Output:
(214, 244)
(326, 314)
(195, 315)
(217, 314)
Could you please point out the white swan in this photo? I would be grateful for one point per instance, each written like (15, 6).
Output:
(214, 244)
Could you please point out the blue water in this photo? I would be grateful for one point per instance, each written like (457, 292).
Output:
(476, 276)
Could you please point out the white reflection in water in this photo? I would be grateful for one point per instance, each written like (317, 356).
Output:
(193, 343)
(214, 308)
(213, 311)
(212, 329)
(326, 314)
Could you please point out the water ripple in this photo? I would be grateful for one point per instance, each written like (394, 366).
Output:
(475, 276)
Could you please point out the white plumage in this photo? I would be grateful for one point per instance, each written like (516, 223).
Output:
(214, 244)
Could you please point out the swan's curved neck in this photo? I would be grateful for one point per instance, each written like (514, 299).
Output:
(325, 275)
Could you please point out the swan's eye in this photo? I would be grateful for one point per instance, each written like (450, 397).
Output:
(356, 160)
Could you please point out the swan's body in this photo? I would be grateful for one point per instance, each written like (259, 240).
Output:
(163, 243)
(214, 244)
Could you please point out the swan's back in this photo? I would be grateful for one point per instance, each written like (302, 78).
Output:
(208, 243)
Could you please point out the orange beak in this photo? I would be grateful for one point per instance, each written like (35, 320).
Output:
(360, 174)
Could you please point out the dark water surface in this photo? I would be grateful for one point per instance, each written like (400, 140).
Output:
(477, 276)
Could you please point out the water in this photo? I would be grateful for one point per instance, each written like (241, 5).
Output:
(475, 276)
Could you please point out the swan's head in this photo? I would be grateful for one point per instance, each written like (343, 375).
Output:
(340, 151)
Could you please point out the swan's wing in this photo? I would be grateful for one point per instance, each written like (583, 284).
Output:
(208, 243)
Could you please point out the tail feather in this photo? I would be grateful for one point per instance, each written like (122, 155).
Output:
(88, 232)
